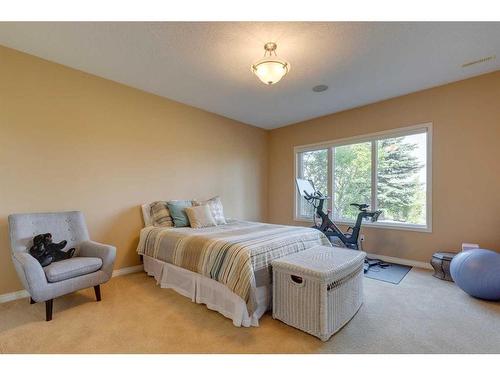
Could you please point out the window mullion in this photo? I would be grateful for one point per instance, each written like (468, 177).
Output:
(299, 174)
(330, 178)
(374, 175)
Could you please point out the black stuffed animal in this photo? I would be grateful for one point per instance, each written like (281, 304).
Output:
(46, 251)
(39, 252)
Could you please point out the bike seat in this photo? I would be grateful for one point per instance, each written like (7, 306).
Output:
(360, 207)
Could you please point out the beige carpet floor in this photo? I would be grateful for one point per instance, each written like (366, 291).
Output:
(421, 315)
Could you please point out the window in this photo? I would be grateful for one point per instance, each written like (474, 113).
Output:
(351, 179)
(388, 170)
(314, 167)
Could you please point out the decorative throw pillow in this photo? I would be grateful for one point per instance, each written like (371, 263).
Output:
(216, 208)
(178, 212)
(160, 215)
(200, 216)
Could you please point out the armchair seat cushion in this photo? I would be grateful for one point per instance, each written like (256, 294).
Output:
(70, 268)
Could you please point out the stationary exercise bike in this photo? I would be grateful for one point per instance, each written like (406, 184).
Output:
(349, 239)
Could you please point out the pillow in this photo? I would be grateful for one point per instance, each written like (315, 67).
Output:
(160, 214)
(200, 216)
(146, 214)
(178, 213)
(216, 208)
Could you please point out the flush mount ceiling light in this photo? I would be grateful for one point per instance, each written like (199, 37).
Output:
(270, 69)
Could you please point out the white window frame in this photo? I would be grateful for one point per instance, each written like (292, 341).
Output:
(329, 145)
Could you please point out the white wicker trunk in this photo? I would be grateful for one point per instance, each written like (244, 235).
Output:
(318, 290)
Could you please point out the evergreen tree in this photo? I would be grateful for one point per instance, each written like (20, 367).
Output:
(398, 185)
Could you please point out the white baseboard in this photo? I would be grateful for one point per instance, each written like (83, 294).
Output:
(7, 297)
(124, 271)
(404, 262)
(127, 270)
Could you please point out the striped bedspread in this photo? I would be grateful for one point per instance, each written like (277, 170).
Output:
(234, 254)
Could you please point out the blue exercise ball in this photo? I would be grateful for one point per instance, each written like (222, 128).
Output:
(477, 272)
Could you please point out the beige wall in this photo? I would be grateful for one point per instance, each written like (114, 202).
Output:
(70, 140)
(466, 163)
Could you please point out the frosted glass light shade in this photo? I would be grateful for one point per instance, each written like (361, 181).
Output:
(270, 70)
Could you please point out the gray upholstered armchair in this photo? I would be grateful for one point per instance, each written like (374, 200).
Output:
(92, 264)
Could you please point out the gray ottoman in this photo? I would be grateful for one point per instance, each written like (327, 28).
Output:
(318, 290)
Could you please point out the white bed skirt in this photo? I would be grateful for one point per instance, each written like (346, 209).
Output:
(203, 290)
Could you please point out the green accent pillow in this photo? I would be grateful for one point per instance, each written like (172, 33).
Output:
(178, 213)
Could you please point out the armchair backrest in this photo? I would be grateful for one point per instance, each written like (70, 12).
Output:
(69, 226)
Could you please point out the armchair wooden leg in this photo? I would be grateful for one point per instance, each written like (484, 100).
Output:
(97, 290)
(48, 309)
(31, 301)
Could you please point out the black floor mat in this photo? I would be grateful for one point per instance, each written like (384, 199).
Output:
(393, 274)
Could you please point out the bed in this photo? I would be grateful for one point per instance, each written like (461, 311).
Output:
(226, 267)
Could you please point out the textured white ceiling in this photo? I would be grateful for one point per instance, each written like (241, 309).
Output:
(207, 64)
